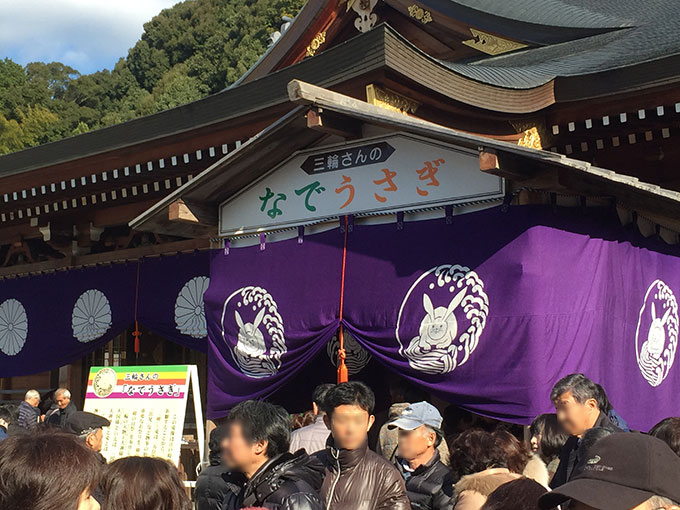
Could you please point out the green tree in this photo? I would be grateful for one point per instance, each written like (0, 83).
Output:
(195, 48)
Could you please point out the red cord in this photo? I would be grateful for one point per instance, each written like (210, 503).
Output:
(136, 333)
(343, 376)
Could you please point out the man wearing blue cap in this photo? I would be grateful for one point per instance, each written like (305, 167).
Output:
(429, 483)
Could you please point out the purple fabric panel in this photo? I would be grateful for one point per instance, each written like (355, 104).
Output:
(171, 297)
(269, 313)
(564, 295)
(487, 311)
(170, 304)
(67, 314)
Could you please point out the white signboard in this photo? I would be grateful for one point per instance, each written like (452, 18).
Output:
(146, 406)
(398, 172)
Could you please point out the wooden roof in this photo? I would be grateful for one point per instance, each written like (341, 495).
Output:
(540, 169)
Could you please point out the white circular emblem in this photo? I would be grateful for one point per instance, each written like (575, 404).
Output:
(91, 316)
(189, 308)
(13, 326)
(656, 336)
(104, 382)
(441, 319)
(258, 321)
(357, 357)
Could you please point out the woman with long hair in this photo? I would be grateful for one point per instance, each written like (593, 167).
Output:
(547, 440)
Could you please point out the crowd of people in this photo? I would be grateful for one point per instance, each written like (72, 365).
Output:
(583, 456)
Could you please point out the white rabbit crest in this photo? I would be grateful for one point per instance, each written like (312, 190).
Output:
(440, 346)
(656, 355)
(439, 327)
(250, 338)
(249, 347)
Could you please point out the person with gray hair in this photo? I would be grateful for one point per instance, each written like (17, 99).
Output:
(429, 483)
(577, 404)
(88, 427)
(29, 414)
(62, 408)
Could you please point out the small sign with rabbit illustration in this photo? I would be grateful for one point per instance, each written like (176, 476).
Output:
(656, 337)
(450, 303)
(258, 344)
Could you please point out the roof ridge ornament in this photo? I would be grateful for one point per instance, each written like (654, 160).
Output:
(491, 44)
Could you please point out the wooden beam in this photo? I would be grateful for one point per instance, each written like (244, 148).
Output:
(505, 165)
(107, 257)
(192, 212)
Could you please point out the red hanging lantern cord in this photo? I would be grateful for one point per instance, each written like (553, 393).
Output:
(136, 333)
(343, 376)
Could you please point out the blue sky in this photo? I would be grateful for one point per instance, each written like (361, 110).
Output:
(87, 35)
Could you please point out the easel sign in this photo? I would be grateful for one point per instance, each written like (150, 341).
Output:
(147, 409)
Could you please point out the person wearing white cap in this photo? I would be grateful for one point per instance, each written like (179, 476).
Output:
(429, 483)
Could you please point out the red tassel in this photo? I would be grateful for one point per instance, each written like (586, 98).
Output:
(343, 375)
(136, 333)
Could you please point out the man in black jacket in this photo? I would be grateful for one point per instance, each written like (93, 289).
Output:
(255, 450)
(578, 409)
(62, 409)
(429, 483)
(211, 487)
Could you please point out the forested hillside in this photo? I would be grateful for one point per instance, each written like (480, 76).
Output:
(196, 48)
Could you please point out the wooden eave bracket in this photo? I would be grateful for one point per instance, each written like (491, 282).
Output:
(333, 124)
(192, 212)
(519, 170)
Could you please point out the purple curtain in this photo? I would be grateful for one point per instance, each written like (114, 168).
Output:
(486, 311)
(269, 313)
(171, 292)
(51, 320)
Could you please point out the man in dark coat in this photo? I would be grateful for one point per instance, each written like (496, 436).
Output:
(576, 402)
(90, 428)
(255, 450)
(355, 478)
(29, 414)
(63, 408)
(429, 483)
(211, 486)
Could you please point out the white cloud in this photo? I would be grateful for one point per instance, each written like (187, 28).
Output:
(85, 34)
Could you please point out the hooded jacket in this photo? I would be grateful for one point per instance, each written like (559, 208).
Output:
(430, 486)
(360, 480)
(286, 482)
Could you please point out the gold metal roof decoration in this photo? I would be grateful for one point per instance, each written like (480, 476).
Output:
(318, 40)
(390, 100)
(422, 15)
(491, 44)
(531, 139)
